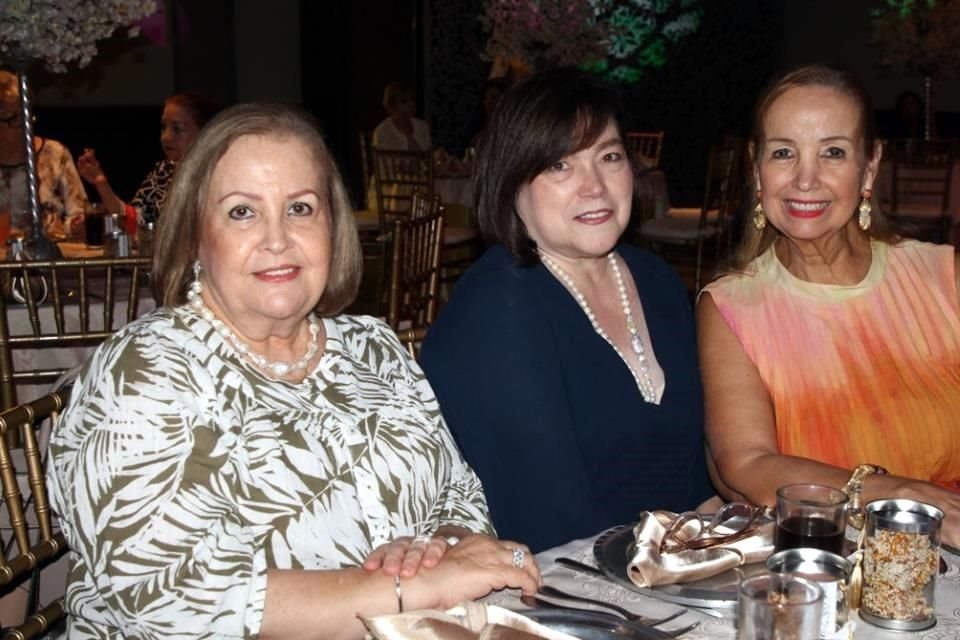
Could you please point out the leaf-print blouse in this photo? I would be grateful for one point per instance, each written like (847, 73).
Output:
(181, 474)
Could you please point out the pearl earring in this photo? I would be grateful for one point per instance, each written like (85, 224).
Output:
(196, 286)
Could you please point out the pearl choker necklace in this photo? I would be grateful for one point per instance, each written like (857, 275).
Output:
(277, 369)
(644, 380)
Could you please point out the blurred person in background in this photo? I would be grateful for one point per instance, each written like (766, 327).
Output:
(184, 115)
(60, 191)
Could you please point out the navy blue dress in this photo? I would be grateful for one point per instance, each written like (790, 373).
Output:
(548, 414)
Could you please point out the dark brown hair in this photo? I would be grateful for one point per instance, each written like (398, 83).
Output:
(397, 91)
(537, 122)
(755, 242)
(202, 109)
(178, 231)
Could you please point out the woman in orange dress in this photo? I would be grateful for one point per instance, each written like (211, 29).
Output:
(832, 342)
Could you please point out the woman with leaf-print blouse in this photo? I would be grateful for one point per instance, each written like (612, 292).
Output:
(233, 465)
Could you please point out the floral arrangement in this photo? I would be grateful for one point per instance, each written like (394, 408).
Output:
(616, 38)
(918, 35)
(59, 32)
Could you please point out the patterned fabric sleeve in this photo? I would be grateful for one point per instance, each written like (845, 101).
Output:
(62, 196)
(463, 503)
(152, 191)
(145, 484)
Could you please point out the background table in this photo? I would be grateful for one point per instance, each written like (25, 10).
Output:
(717, 624)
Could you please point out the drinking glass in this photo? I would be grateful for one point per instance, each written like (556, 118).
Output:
(833, 574)
(778, 606)
(811, 515)
(93, 223)
(4, 229)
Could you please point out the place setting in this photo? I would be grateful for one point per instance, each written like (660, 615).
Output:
(799, 570)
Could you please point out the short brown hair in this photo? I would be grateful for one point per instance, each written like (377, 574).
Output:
(395, 92)
(178, 231)
(755, 242)
(537, 122)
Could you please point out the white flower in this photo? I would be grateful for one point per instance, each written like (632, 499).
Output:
(59, 32)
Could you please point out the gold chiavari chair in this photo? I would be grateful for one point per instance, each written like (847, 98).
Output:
(366, 216)
(31, 542)
(644, 147)
(412, 338)
(415, 270)
(398, 175)
(49, 305)
(920, 193)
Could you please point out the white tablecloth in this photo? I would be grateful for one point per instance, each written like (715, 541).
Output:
(62, 357)
(718, 624)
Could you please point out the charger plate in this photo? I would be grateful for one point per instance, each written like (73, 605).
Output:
(593, 625)
(716, 592)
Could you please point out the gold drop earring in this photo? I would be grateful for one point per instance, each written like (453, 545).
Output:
(864, 210)
(759, 216)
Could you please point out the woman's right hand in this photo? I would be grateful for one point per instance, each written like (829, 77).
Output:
(89, 167)
(474, 567)
(946, 501)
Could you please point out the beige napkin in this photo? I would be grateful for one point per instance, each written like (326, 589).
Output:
(648, 566)
(79, 250)
(466, 621)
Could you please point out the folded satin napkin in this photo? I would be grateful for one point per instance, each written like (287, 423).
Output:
(466, 621)
(670, 548)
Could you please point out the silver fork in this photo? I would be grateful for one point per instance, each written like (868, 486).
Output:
(535, 602)
(549, 591)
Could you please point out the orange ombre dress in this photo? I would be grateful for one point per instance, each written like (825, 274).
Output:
(861, 373)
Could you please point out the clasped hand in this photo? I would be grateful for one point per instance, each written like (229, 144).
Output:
(404, 556)
(470, 569)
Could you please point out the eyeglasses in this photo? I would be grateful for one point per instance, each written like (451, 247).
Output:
(689, 531)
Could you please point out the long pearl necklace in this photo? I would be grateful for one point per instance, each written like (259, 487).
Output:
(278, 369)
(644, 380)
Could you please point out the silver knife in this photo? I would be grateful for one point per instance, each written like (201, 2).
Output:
(576, 565)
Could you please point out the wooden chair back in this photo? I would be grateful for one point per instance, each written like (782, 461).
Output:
(366, 167)
(920, 193)
(644, 148)
(721, 197)
(51, 304)
(35, 542)
(424, 205)
(415, 270)
(399, 174)
(412, 338)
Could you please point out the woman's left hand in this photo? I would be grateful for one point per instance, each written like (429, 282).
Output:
(404, 556)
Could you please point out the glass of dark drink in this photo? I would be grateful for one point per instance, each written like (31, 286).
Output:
(93, 223)
(811, 516)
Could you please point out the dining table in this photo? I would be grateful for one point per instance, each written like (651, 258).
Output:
(716, 623)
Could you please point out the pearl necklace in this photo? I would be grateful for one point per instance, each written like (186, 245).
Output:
(278, 369)
(644, 380)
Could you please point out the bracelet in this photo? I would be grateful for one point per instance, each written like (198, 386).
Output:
(854, 488)
(396, 587)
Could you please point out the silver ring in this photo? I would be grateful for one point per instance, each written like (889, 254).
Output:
(422, 539)
(519, 556)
